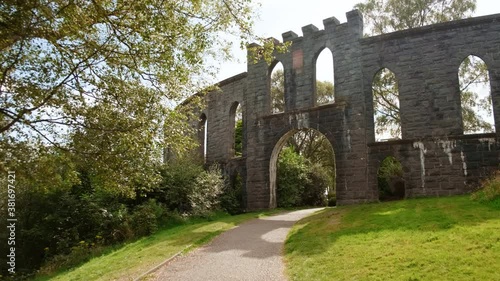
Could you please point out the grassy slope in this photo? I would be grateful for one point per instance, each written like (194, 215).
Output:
(136, 258)
(422, 239)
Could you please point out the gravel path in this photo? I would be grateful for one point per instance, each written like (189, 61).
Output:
(251, 251)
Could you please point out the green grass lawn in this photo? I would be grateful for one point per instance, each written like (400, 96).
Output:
(451, 238)
(133, 259)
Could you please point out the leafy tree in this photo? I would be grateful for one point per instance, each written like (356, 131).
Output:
(319, 182)
(386, 103)
(324, 91)
(291, 179)
(473, 73)
(99, 78)
(315, 147)
(300, 181)
(383, 16)
(278, 91)
(57, 60)
(238, 138)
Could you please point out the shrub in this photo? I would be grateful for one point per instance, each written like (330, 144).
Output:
(146, 217)
(390, 179)
(177, 184)
(208, 186)
(332, 199)
(490, 191)
(317, 186)
(231, 199)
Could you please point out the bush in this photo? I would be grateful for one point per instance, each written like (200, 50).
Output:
(231, 199)
(490, 191)
(208, 186)
(177, 184)
(390, 179)
(317, 186)
(146, 217)
(332, 199)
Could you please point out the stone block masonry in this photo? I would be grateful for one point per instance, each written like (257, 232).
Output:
(437, 158)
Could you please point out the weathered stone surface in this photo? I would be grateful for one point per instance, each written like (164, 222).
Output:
(438, 159)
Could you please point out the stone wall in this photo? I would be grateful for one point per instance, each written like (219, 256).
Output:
(437, 158)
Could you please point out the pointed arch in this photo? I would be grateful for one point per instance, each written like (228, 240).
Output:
(276, 87)
(386, 110)
(475, 96)
(324, 91)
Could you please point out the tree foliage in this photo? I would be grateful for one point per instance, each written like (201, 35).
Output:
(306, 170)
(386, 103)
(62, 211)
(277, 91)
(383, 16)
(238, 138)
(59, 59)
(301, 182)
(390, 179)
(324, 91)
(99, 79)
(316, 148)
(474, 79)
(291, 179)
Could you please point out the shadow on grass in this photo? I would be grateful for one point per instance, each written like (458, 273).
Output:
(314, 234)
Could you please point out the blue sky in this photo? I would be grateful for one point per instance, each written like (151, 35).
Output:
(279, 16)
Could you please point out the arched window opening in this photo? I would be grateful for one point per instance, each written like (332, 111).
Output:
(391, 185)
(324, 90)
(277, 89)
(202, 135)
(386, 113)
(236, 125)
(302, 170)
(475, 96)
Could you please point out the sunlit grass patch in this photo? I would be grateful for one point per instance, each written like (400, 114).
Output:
(422, 239)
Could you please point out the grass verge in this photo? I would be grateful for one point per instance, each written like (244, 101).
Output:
(133, 259)
(452, 238)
